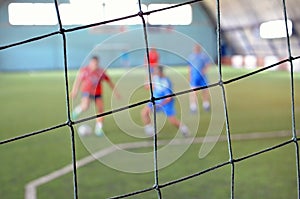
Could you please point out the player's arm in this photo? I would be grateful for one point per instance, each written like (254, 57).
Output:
(76, 85)
(189, 72)
(205, 68)
(112, 86)
(189, 66)
(207, 65)
(165, 101)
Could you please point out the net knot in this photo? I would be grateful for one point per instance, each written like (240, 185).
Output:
(232, 161)
(220, 83)
(70, 123)
(153, 100)
(62, 31)
(156, 186)
(141, 13)
(295, 139)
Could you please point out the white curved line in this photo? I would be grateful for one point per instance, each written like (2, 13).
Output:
(31, 187)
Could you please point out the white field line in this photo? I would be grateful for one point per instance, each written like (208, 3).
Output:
(31, 187)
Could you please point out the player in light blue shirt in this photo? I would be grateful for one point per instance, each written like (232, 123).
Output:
(162, 86)
(199, 63)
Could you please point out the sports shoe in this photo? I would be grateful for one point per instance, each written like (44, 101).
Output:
(99, 132)
(206, 108)
(184, 131)
(193, 108)
(193, 111)
(74, 115)
(149, 130)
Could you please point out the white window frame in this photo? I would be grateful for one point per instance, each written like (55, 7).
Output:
(79, 12)
(275, 29)
(181, 15)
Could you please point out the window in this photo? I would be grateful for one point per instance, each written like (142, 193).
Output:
(176, 16)
(275, 29)
(119, 8)
(79, 12)
(32, 14)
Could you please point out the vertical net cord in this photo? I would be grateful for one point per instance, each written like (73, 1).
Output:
(292, 84)
(231, 160)
(155, 159)
(221, 83)
(69, 122)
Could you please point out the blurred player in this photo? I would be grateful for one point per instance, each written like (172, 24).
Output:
(153, 62)
(199, 63)
(162, 86)
(153, 59)
(89, 79)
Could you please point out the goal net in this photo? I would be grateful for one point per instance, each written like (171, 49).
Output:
(220, 83)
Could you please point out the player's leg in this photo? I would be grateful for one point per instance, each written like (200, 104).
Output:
(193, 96)
(193, 101)
(83, 106)
(178, 124)
(205, 94)
(205, 99)
(145, 115)
(99, 121)
(170, 112)
(199, 82)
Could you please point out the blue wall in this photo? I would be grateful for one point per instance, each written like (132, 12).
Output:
(48, 54)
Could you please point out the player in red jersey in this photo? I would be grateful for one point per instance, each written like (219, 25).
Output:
(153, 62)
(153, 59)
(89, 80)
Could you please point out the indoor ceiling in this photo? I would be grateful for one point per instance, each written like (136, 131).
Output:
(240, 21)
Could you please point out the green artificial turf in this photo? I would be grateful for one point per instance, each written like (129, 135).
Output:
(261, 103)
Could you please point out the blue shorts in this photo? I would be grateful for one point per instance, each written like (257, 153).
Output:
(93, 97)
(198, 81)
(168, 109)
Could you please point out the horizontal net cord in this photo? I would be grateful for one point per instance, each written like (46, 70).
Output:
(227, 163)
(152, 100)
(210, 169)
(149, 100)
(68, 30)
(133, 193)
(33, 133)
(29, 40)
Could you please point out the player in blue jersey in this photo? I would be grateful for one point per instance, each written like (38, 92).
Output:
(162, 86)
(199, 63)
